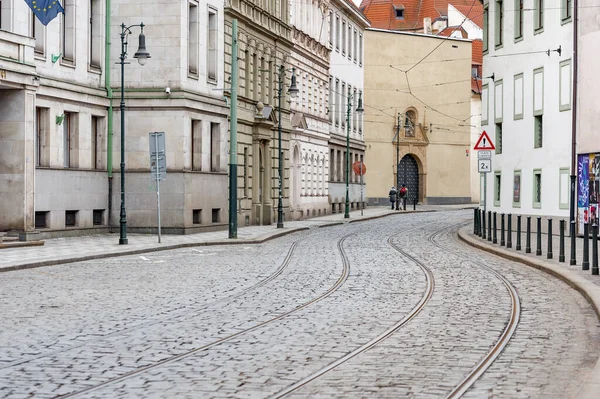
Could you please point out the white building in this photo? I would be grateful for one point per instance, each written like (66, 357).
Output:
(346, 43)
(526, 105)
(309, 150)
(59, 143)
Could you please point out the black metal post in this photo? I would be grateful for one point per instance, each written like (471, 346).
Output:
(123, 216)
(414, 204)
(518, 248)
(528, 236)
(549, 249)
(561, 255)
(502, 242)
(482, 232)
(495, 239)
(509, 231)
(538, 249)
(595, 249)
(489, 237)
(585, 264)
(475, 211)
(280, 202)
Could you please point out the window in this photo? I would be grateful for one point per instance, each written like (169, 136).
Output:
(216, 215)
(360, 49)
(71, 218)
(213, 46)
(566, 10)
(41, 220)
(399, 13)
(409, 123)
(67, 140)
(499, 28)
(197, 216)
(215, 147)
(95, 34)
(97, 217)
(499, 101)
(337, 102)
(96, 142)
(331, 30)
(563, 188)
(193, 38)
(68, 32)
(484, 104)
(196, 144)
(247, 78)
(538, 15)
(518, 19)
(343, 37)
(38, 32)
(354, 113)
(498, 138)
(497, 188)
(42, 149)
(517, 189)
(486, 28)
(538, 131)
(537, 188)
(519, 93)
(565, 85)
(349, 42)
(343, 104)
(355, 42)
(337, 33)
(360, 116)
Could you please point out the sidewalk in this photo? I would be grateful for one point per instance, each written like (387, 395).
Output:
(582, 281)
(74, 249)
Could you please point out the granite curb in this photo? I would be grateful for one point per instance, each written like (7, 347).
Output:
(589, 290)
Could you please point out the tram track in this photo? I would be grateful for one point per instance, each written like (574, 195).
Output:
(336, 286)
(509, 330)
(430, 286)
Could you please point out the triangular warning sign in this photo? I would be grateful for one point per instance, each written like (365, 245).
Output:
(484, 142)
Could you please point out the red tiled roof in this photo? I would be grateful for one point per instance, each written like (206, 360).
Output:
(450, 30)
(477, 51)
(474, 13)
(382, 13)
(476, 85)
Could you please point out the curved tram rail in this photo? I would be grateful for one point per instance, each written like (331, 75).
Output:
(238, 294)
(504, 339)
(430, 285)
(336, 286)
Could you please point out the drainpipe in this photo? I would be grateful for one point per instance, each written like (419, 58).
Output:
(573, 260)
(109, 123)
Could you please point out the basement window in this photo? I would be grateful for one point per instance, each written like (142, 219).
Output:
(399, 13)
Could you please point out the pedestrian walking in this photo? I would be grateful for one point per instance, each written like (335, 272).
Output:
(402, 194)
(393, 194)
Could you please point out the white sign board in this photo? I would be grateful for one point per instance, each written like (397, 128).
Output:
(484, 165)
(484, 154)
(157, 156)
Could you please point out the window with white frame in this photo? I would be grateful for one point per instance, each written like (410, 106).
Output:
(193, 38)
(95, 33)
(68, 32)
(213, 26)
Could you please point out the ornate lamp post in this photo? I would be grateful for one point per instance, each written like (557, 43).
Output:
(359, 110)
(293, 92)
(142, 56)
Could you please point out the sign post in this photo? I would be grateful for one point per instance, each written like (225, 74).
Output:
(158, 166)
(484, 147)
(360, 169)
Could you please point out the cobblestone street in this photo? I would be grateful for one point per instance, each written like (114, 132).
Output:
(335, 312)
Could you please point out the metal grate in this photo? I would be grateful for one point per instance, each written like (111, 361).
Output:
(70, 218)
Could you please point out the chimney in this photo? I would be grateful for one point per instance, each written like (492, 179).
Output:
(427, 26)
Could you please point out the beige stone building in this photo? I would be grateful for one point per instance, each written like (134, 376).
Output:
(265, 43)
(432, 96)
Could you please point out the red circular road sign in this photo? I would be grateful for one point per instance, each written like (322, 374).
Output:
(356, 167)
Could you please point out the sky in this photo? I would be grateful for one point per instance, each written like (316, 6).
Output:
(357, 2)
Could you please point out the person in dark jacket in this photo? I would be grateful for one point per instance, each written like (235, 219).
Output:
(393, 194)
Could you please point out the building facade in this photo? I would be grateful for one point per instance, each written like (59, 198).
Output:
(60, 139)
(346, 41)
(526, 105)
(416, 124)
(309, 144)
(265, 43)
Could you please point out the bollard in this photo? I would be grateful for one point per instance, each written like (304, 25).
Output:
(495, 240)
(573, 260)
(475, 212)
(481, 223)
(549, 249)
(538, 249)
(414, 204)
(489, 238)
(561, 255)
(595, 249)
(528, 236)
(518, 233)
(585, 264)
(502, 242)
(509, 231)
(404, 203)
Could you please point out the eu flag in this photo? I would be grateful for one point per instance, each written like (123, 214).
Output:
(45, 10)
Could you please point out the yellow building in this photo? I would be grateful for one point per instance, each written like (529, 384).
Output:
(425, 82)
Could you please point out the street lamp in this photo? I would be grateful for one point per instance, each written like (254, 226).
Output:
(359, 111)
(142, 56)
(293, 92)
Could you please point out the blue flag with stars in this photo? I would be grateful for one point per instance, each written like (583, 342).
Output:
(45, 10)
